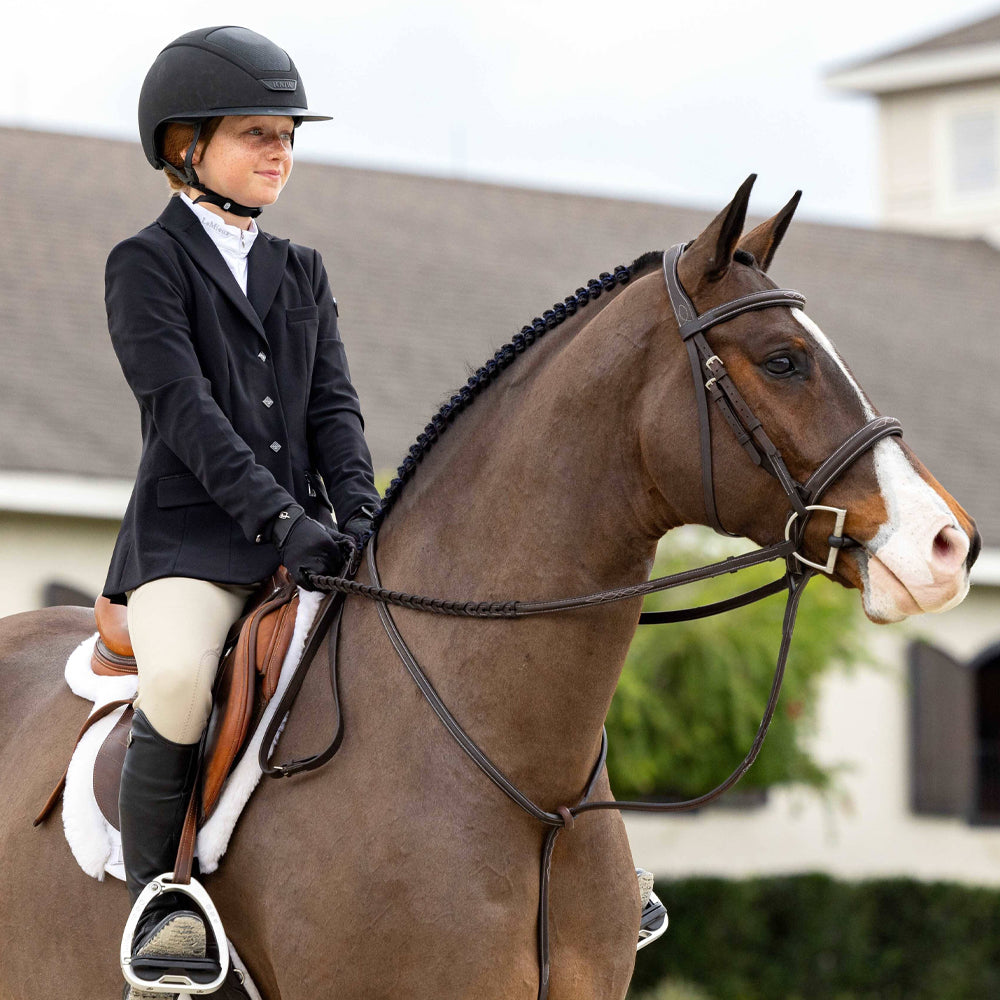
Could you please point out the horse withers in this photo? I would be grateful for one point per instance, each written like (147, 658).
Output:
(397, 869)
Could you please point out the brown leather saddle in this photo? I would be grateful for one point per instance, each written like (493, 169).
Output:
(246, 681)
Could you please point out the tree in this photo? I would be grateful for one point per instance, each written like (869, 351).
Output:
(692, 694)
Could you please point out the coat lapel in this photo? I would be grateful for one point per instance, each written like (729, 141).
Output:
(266, 267)
(184, 226)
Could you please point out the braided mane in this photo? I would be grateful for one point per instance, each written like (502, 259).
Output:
(502, 359)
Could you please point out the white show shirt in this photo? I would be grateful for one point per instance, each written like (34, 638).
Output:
(234, 243)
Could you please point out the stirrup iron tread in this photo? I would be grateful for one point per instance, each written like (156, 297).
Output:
(206, 975)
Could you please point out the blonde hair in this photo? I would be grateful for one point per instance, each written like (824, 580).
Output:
(177, 138)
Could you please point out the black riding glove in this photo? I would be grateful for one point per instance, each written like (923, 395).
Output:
(307, 548)
(359, 525)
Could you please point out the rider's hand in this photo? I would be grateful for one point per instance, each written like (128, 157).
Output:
(308, 548)
(359, 525)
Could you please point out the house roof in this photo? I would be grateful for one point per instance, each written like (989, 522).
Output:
(432, 274)
(981, 31)
(969, 52)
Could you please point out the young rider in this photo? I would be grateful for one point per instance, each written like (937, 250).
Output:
(228, 338)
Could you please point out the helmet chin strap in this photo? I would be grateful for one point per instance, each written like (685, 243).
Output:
(226, 204)
(190, 177)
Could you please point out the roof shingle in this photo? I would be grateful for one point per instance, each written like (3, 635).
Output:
(432, 274)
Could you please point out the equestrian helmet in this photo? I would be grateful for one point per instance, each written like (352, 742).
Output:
(214, 72)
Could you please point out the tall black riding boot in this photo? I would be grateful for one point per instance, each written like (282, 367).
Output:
(157, 779)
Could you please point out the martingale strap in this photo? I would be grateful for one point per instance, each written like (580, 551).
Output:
(564, 816)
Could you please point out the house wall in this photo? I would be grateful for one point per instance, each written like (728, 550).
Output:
(919, 160)
(866, 829)
(38, 549)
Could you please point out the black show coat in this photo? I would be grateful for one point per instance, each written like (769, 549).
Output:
(242, 402)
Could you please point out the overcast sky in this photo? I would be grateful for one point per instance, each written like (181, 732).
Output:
(667, 101)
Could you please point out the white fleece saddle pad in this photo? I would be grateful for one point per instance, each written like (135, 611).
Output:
(96, 844)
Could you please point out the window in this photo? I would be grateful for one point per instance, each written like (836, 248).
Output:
(955, 734)
(974, 166)
(987, 673)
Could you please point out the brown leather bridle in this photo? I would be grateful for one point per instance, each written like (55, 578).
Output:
(803, 499)
(720, 389)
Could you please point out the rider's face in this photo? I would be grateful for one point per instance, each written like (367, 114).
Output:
(248, 159)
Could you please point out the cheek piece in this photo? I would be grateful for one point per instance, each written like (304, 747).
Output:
(190, 177)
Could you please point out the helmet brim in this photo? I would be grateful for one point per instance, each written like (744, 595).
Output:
(302, 114)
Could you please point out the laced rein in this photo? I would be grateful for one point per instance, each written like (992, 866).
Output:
(797, 574)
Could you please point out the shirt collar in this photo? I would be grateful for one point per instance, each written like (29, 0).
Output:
(229, 239)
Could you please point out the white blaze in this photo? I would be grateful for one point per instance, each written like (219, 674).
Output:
(904, 567)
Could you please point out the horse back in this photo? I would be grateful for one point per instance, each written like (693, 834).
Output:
(34, 647)
(41, 933)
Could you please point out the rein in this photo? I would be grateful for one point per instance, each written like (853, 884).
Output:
(803, 502)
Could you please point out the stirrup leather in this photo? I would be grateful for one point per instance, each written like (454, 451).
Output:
(173, 978)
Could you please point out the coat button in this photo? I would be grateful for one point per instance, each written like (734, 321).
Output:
(275, 447)
(262, 356)
(268, 402)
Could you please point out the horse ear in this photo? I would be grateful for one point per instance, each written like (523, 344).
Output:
(712, 253)
(763, 241)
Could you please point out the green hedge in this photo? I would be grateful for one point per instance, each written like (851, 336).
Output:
(810, 936)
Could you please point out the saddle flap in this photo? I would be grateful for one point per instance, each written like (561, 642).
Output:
(273, 636)
(108, 767)
(245, 683)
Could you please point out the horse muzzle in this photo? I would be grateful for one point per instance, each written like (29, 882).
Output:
(913, 573)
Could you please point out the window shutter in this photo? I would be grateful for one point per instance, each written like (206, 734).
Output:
(942, 733)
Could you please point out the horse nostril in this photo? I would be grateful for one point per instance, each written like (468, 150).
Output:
(951, 546)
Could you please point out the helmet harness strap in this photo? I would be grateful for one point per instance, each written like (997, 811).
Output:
(190, 177)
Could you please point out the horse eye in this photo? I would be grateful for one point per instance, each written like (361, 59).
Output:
(780, 365)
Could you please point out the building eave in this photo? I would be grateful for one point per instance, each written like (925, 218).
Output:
(57, 495)
(60, 495)
(914, 71)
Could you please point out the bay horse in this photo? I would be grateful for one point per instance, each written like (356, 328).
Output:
(397, 869)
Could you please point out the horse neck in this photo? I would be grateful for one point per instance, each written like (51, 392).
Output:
(533, 495)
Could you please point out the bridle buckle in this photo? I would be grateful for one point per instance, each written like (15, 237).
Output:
(835, 541)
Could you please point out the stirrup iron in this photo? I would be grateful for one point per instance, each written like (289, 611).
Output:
(653, 922)
(174, 978)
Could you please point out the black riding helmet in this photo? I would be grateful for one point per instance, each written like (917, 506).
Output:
(213, 72)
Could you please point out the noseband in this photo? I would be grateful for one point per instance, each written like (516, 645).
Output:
(802, 498)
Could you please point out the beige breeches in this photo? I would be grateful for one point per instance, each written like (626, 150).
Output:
(178, 627)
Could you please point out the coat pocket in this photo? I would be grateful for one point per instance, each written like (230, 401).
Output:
(180, 491)
(303, 314)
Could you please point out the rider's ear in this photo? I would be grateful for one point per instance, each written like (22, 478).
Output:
(712, 253)
(764, 240)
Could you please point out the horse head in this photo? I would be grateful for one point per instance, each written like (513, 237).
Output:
(911, 545)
